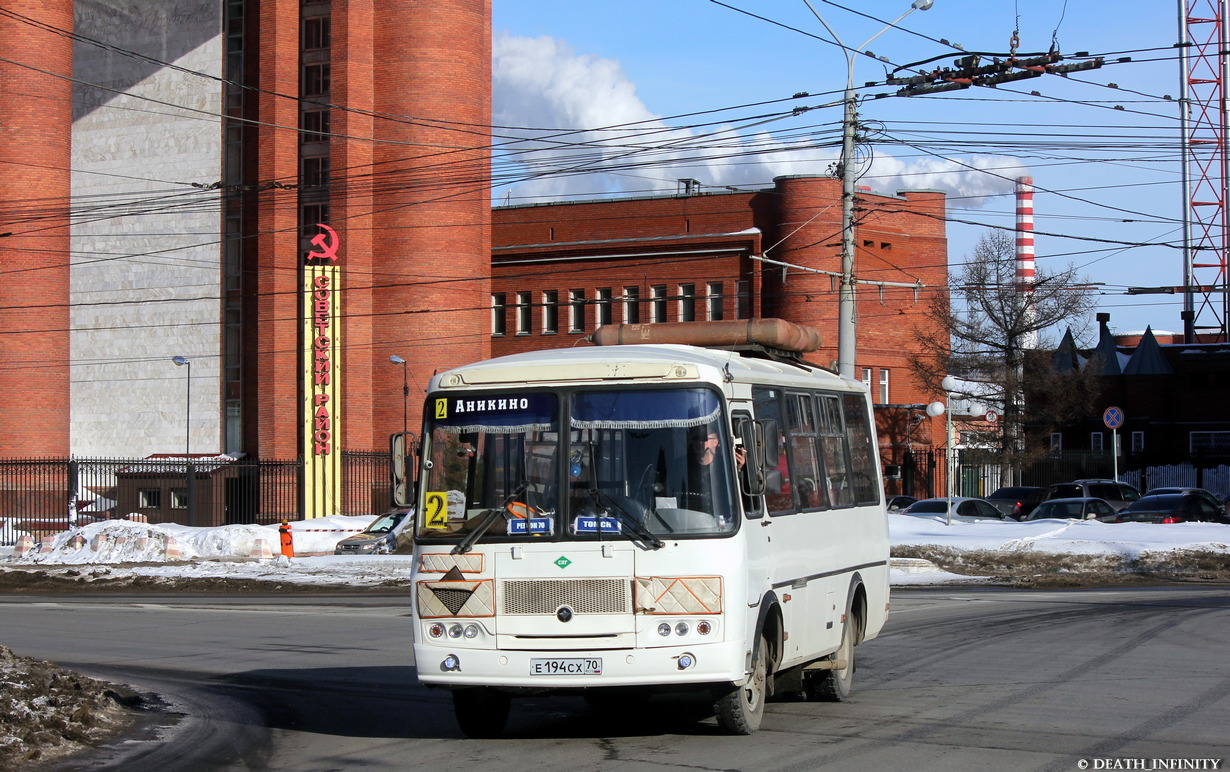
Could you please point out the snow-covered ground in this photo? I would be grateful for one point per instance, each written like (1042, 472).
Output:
(118, 548)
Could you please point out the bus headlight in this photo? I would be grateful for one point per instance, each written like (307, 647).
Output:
(686, 660)
(682, 628)
(454, 631)
(471, 631)
(664, 629)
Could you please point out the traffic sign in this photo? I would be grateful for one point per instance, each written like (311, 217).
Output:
(992, 416)
(1112, 417)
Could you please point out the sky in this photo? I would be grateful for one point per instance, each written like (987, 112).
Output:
(227, 551)
(705, 90)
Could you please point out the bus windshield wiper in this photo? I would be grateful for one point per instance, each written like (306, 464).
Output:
(488, 519)
(636, 530)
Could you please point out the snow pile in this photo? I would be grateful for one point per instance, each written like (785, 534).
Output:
(1068, 537)
(125, 541)
(47, 712)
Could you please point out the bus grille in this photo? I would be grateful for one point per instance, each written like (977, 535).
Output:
(584, 596)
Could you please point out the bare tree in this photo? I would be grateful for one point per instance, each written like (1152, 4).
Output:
(986, 324)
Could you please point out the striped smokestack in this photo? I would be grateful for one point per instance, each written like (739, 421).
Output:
(1025, 253)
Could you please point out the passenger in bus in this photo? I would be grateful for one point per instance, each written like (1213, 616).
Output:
(704, 447)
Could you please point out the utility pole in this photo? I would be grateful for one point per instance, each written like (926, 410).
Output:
(847, 311)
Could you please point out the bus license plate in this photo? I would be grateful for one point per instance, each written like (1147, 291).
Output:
(586, 666)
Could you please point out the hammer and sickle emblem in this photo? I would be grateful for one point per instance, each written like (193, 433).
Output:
(328, 243)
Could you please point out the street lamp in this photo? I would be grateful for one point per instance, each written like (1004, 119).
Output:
(405, 391)
(179, 362)
(975, 409)
(846, 324)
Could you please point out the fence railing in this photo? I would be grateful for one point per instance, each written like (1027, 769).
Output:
(48, 495)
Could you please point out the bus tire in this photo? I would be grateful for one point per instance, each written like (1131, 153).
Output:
(834, 685)
(482, 712)
(739, 710)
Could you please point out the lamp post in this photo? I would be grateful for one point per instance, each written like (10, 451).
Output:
(179, 362)
(405, 391)
(189, 472)
(974, 409)
(846, 323)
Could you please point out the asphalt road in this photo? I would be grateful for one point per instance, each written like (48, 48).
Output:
(962, 679)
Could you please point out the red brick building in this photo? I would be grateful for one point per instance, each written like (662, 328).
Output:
(560, 270)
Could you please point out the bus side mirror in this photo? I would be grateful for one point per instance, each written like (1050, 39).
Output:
(401, 464)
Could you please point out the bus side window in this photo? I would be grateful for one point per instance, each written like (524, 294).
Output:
(779, 496)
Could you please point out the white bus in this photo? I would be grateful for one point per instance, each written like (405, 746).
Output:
(616, 520)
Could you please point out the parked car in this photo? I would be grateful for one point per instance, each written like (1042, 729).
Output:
(898, 503)
(1171, 508)
(1072, 509)
(1208, 496)
(1017, 501)
(380, 537)
(1117, 494)
(963, 507)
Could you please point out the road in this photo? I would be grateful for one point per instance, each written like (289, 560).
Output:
(962, 679)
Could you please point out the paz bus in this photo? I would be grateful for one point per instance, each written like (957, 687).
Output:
(684, 506)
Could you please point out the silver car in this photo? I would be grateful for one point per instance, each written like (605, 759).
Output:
(379, 538)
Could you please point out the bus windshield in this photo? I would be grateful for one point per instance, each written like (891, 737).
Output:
(643, 464)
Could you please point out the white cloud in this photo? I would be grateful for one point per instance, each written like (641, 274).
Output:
(587, 133)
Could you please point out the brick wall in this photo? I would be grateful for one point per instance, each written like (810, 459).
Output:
(35, 158)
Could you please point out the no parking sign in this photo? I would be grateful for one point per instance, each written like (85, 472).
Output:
(1112, 417)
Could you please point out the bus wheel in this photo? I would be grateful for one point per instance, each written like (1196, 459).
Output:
(739, 711)
(481, 712)
(834, 685)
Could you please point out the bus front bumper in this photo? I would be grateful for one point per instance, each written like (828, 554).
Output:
(666, 666)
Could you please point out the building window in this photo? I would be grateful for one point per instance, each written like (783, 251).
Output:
(550, 312)
(1095, 442)
(1138, 442)
(498, 306)
(316, 33)
(524, 320)
(1210, 442)
(315, 126)
(867, 378)
(687, 302)
(884, 386)
(603, 305)
(743, 300)
(315, 80)
(1056, 442)
(716, 301)
(632, 305)
(150, 498)
(179, 498)
(576, 310)
(657, 303)
(315, 172)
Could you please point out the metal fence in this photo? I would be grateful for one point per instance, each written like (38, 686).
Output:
(47, 495)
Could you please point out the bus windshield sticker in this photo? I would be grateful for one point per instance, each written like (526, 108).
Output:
(435, 510)
(648, 409)
(590, 524)
(535, 526)
(665, 502)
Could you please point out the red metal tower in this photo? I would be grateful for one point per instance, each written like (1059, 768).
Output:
(1206, 172)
